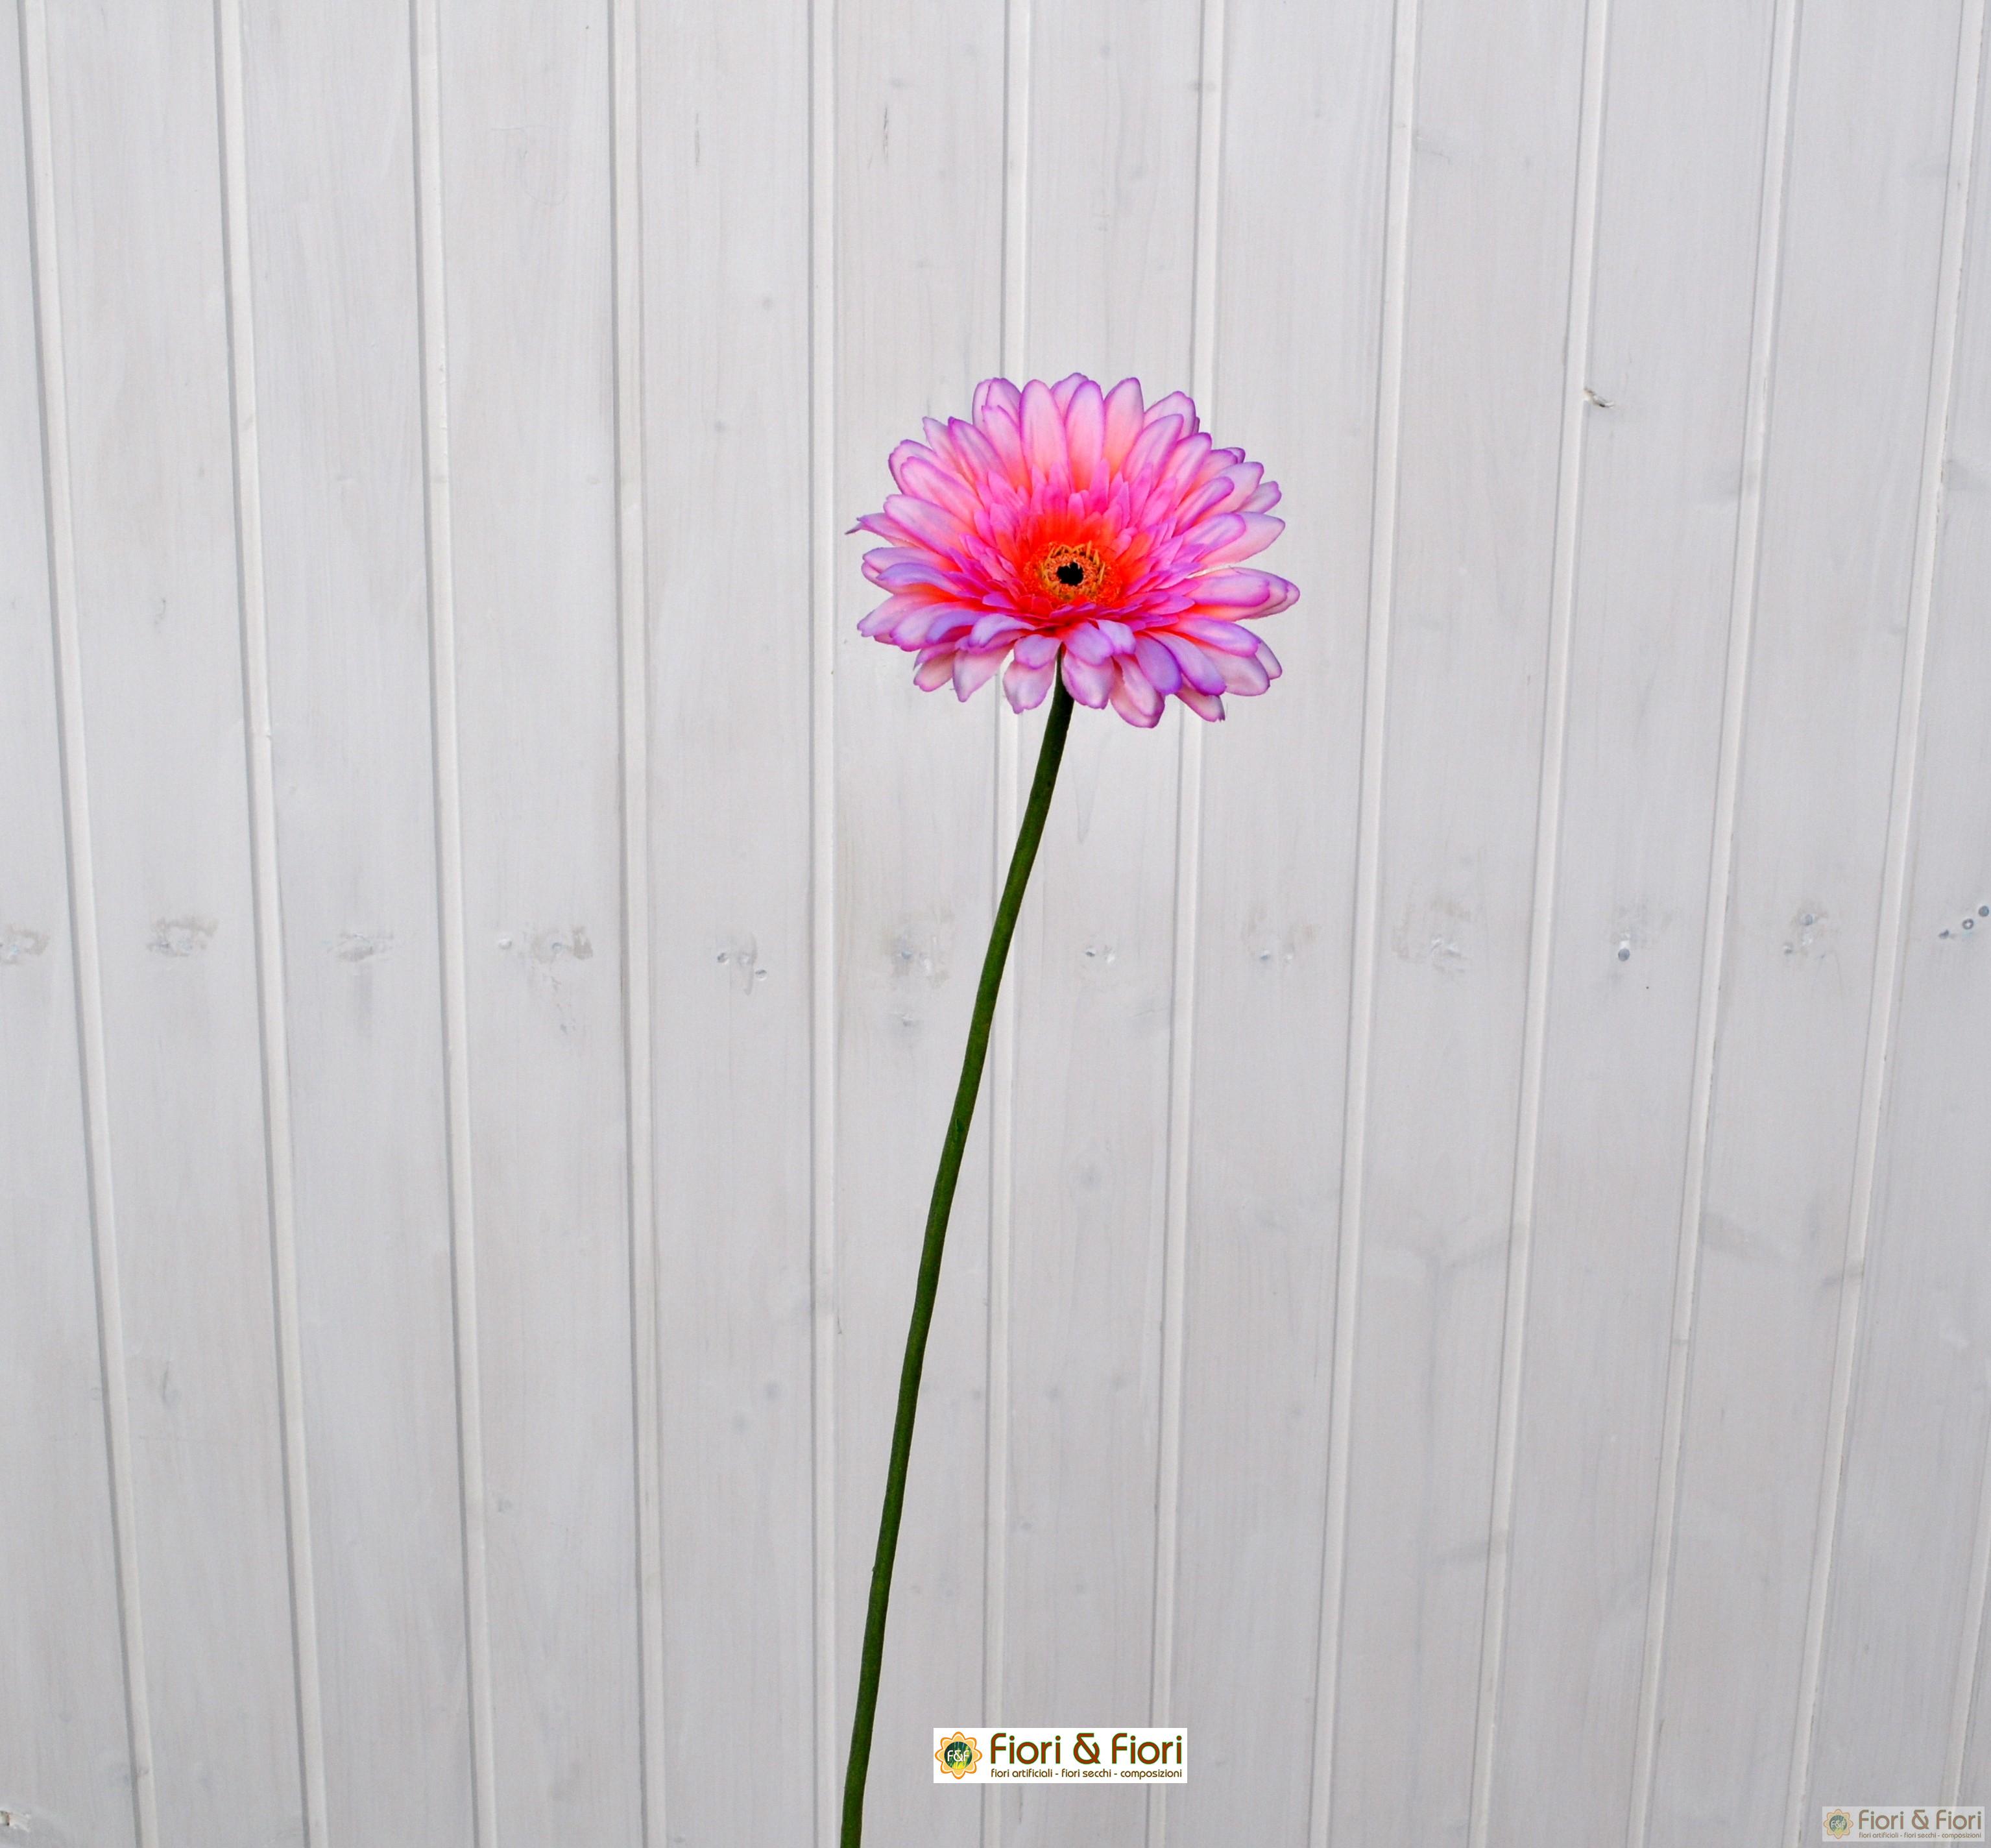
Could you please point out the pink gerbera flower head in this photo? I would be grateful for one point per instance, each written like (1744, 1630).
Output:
(1065, 524)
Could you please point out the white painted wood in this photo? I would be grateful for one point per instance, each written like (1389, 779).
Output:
(920, 117)
(527, 309)
(1298, 274)
(138, 229)
(65, 1743)
(1113, 129)
(728, 464)
(1656, 530)
(1492, 198)
(1907, 1602)
(1862, 235)
(331, 267)
(1441, 1301)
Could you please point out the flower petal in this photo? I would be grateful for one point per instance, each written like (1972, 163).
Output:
(1163, 671)
(1243, 676)
(1260, 530)
(935, 669)
(1124, 419)
(1037, 649)
(1043, 438)
(1090, 685)
(1205, 706)
(1026, 686)
(996, 391)
(1084, 640)
(1257, 592)
(974, 668)
(1222, 638)
(1198, 667)
(1177, 404)
(1085, 433)
(1151, 448)
(1133, 698)
(931, 526)
(1066, 389)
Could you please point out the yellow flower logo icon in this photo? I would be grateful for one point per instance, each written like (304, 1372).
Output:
(958, 1756)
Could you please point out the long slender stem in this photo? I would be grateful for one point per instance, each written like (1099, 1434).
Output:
(1025, 856)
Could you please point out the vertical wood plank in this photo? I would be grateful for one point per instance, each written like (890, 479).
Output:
(920, 230)
(64, 1749)
(1868, 162)
(1298, 283)
(1656, 535)
(727, 200)
(526, 166)
(1112, 177)
(333, 263)
(1491, 219)
(1901, 1637)
(138, 192)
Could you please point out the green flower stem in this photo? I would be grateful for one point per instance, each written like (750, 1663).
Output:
(1028, 836)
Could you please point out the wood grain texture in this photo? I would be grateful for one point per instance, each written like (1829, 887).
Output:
(1862, 237)
(726, 113)
(133, 124)
(1656, 527)
(1468, 1290)
(331, 256)
(65, 1746)
(1900, 1625)
(527, 307)
(1491, 216)
(1299, 271)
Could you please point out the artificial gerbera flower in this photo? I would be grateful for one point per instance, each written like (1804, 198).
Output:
(1063, 523)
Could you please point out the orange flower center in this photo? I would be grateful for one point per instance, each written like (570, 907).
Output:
(1071, 572)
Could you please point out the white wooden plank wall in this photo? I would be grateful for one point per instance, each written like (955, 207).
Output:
(1470, 1287)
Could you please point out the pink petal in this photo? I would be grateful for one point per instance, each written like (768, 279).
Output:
(973, 670)
(931, 526)
(1223, 638)
(1199, 669)
(1085, 433)
(1269, 662)
(1260, 530)
(907, 452)
(1119, 638)
(1037, 650)
(1090, 685)
(1133, 698)
(1177, 404)
(935, 669)
(1205, 706)
(1265, 500)
(1163, 671)
(1025, 686)
(1241, 675)
(923, 476)
(1258, 591)
(1066, 389)
(1084, 640)
(1043, 438)
(1151, 446)
(1124, 418)
(996, 391)
(996, 625)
